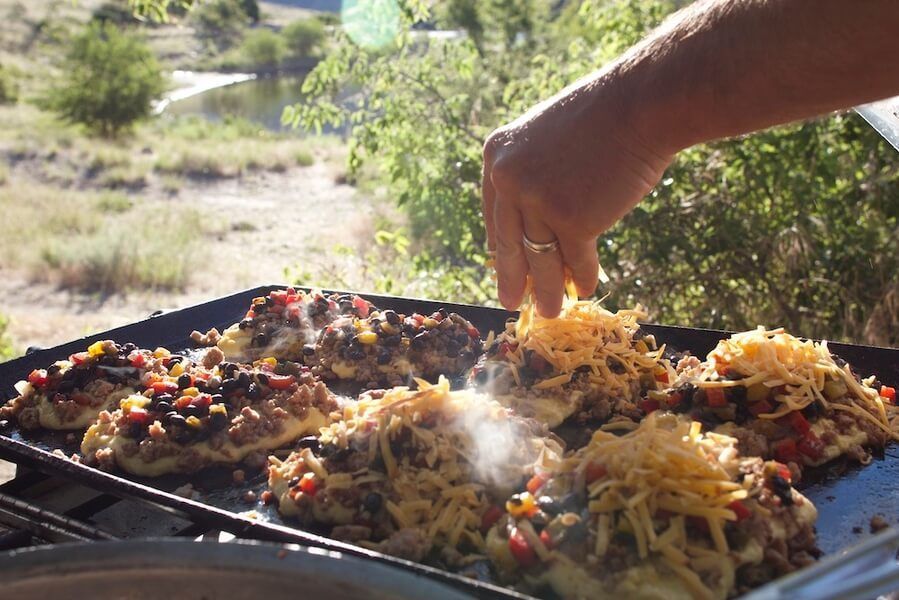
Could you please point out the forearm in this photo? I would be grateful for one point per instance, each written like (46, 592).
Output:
(726, 67)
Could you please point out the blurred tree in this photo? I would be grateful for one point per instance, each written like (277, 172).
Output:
(795, 226)
(304, 37)
(109, 80)
(262, 48)
(9, 86)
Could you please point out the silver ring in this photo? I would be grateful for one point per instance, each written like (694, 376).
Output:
(539, 248)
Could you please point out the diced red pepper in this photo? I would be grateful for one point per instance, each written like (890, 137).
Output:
(786, 451)
(419, 319)
(648, 406)
(521, 550)
(38, 377)
(595, 471)
(308, 485)
(536, 482)
(277, 309)
(740, 510)
(490, 516)
(799, 422)
(674, 398)
(183, 401)
(361, 305)
(200, 400)
(437, 316)
(473, 332)
(164, 387)
(504, 349)
(811, 445)
(79, 358)
(889, 393)
(281, 382)
(546, 539)
(662, 377)
(715, 397)
(251, 314)
(279, 297)
(784, 472)
(139, 415)
(760, 407)
(137, 359)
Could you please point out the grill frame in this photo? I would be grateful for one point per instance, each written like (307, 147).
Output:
(171, 329)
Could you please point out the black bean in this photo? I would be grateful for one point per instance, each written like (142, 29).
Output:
(128, 348)
(260, 339)
(229, 385)
(372, 502)
(191, 410)
(392, 317)
(419, 341)
(218, 421)
(345, 306)
(53, 370)
(452, 348)
(311, 442)
(65, 386)
(245, 324)
(254, 391)
(269, 301)
(175, 419)
(355, 353)
(442, 312)
(467, 356)
(383, 357)
(393, 340)
(217, 399)
(410, 329)
(262, 378)
(308, 350)
(243, 380)
(163, 407)
(175, 359)
(184, 381)
(463, 339)
(294, 482)
(548, 505)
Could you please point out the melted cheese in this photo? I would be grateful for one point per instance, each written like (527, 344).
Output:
(49, 417)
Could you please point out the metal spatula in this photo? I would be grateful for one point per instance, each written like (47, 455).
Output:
(884, 117)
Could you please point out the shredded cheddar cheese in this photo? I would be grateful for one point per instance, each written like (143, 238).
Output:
(801, 369)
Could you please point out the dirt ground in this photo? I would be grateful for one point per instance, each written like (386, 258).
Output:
(298, 216)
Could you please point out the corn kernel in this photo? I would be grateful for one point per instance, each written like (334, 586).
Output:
(96, 349)
(218, 408)
(388, 328)
(367, 337)
(429, 323)
(133, 401)
(191, 391)
(192, 421)
(521, 505)
(161, 353)
(270, 361)
(176, 370)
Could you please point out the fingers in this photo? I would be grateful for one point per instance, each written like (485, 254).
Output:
(511, 264)
(545, 268)
(581, 258)
(488, 199)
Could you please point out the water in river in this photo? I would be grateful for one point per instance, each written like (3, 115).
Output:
(261, 100)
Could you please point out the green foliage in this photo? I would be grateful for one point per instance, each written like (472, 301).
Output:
(9, 85)
(109, 80)
(304, 37)
(262, 48)
(221, 22)
(159, 10)
(118, 13)
(795, 226)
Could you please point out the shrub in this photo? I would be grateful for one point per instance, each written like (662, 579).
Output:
(221, 22)
(304, 37)
(118, 13)
(6, 348)
(109, 80)
(262, 48)
(9, 86)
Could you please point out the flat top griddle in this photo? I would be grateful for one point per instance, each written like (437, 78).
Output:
(847, 496)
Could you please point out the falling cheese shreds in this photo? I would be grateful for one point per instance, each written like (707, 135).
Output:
(801, 368)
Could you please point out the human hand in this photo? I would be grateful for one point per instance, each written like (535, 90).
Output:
(566, 170)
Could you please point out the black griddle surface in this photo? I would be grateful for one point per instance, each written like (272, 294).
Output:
(847, 496)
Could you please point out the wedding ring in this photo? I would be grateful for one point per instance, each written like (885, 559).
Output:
(539, 248)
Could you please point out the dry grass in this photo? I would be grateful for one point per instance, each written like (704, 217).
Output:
(97, 243)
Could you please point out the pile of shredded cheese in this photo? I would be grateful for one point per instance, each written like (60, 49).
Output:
(665, 464)
(584, 334)
(446, 497)
(775, 358)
